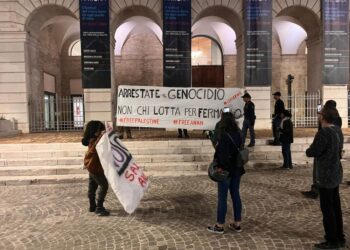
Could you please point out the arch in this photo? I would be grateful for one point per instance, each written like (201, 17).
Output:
(304, 17)
(42, 15)
(134, 24)
(74, 48)
(218, 29)
(230, 16)
(133, 11)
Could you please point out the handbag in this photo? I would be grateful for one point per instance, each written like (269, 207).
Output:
(243, 154)
(215, 174)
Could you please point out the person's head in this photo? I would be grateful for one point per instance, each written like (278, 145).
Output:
(286, 113)
(246, 97)
(328, 116)
(228, 122)
(276, 95)
(330, 104)
(92, 130)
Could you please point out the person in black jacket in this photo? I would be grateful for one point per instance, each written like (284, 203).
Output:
(326, 149)
(286, 139)
(330, 104)
(249, 119)
(276, 117)
(225, 153)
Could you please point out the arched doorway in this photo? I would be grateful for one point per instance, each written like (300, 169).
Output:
(207, 66)
(51, 107)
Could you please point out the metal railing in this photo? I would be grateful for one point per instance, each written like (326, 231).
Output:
(54, 113)
(304, 109)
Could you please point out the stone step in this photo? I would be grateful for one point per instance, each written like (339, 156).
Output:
(143, 159)
(133, 145)
(21, 175)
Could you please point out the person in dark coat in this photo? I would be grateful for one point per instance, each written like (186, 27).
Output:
(225, 154)
(92, 134)
(249, 119)
(326, 149)
(313, 193)
(276, 117)
(286, 139)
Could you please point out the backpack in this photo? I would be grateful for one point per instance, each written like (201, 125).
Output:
(243, 155)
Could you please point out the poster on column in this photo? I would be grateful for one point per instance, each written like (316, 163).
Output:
(336, 41)
(258, 42)
(164, 107)
(95, 49)
(177, 43)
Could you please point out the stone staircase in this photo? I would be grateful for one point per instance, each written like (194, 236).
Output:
(23, 164)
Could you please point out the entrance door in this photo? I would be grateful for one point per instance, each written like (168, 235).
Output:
(49, 111)
(208, 76)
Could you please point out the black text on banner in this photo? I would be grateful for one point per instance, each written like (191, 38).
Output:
(258, 42)
(177, 43)
(336, 41)
(95, 49)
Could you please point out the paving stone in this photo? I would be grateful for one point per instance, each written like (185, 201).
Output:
(173, 215)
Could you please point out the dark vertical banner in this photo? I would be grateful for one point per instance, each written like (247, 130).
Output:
(258, 42)
(95, 49)
(335, 41)
(177, 43)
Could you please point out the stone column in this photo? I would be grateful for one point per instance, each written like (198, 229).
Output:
(314, 64)
(261, 96)
(98, 104)
(240, 61)
(339, 94)
(13, 87)
(230, 71)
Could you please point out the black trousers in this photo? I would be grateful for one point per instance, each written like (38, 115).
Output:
(314, 186)
(94, 182)
(332, 214)
(276, 123)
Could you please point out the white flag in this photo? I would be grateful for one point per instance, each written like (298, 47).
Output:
(126, 178)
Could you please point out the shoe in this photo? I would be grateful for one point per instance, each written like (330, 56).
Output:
(283, 167)
(216, 229)
(92, 209)
(251, 145)
(101, 211)
(327, 245)
(235, 228)
(179, 136)
(310, 194)
(342, 243)
(187, 136)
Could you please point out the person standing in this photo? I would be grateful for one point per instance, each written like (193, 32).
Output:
(286, 139)
(326, 149)
(313, 193)
(276, 117)
(182, 131)
(249, 119)
(92, 134)
(225, 153)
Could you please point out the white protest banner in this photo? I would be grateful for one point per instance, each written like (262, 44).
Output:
(126, 178)
(162, 107)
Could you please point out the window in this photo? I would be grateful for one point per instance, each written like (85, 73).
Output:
(205, 51)
(75, 49)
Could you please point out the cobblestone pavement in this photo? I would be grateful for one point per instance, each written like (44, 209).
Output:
(173, 215)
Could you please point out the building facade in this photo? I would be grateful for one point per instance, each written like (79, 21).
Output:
(40, 55)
